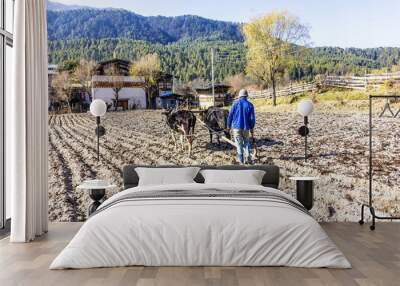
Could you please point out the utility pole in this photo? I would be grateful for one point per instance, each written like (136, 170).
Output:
(212, 75)
(366, 79)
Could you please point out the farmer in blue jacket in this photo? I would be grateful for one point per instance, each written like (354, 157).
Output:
(241, 119)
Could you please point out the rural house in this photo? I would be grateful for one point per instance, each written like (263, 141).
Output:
(206, 99)
(113, 84)
(166, 97)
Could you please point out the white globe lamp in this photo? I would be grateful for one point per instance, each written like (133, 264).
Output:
(305, 108)
(98, 108)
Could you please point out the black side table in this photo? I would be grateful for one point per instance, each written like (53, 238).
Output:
(96, 195)
(304, 190)
(97, 192)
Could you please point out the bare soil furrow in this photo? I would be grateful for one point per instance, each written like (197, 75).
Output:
(338, 145)
(86, 142)
(144, 148)
(69, 199)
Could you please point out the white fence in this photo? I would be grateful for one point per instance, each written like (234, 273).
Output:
(369, 81)
(299, 88)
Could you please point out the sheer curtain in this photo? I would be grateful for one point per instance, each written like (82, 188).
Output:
(26, 119)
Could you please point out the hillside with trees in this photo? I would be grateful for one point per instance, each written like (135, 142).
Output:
(188, 60)
(183, 44)
(119, 23)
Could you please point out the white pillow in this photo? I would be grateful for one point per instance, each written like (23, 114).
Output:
(246, 177)
(166, 176)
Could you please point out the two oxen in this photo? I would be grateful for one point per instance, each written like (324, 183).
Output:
(182, 124)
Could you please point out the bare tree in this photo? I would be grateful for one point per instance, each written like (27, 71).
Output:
(149, 67)
(272, 41)
(236, 82)
(62, 85)
(117, 82)
(83, 74)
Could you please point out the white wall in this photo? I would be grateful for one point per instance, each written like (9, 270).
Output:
(135, 95)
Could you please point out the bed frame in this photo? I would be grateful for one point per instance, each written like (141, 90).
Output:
(271, 177)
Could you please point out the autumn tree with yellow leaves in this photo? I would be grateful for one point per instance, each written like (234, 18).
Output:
(272, 42)
(148, 67)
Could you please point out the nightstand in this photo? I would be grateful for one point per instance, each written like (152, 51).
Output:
(97, 190)
(304, 190)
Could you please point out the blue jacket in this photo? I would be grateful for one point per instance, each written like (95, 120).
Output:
(241, 115)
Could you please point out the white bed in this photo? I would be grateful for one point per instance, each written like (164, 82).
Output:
(201, 231)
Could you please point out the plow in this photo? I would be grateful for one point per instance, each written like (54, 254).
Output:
(183, 121)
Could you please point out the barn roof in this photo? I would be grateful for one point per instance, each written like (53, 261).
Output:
(220, 87)
(122, 65)
(114, 61)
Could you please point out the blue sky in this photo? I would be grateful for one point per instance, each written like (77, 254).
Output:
(344, 23)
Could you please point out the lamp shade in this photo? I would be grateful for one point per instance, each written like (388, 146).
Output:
(305, 107)
(98, 107)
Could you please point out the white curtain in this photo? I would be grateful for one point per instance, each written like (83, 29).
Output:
(26, 123)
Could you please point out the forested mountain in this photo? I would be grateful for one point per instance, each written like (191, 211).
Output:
(184, 44)
(119, 23)
(188, 60)
(339, 61)
(55, 6)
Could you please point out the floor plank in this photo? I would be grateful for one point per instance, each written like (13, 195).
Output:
(375, 257)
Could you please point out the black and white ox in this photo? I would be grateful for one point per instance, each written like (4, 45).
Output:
(215, 120)
(182, 123)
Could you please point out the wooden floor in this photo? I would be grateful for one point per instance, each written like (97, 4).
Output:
(375, 257)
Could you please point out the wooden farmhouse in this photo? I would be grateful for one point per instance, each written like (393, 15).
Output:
(112, 76)
(206, 98)
(166, 97)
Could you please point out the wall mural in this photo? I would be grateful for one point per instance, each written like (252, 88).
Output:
(141, 71)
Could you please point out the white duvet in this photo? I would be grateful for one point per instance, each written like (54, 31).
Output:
(200, 231)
